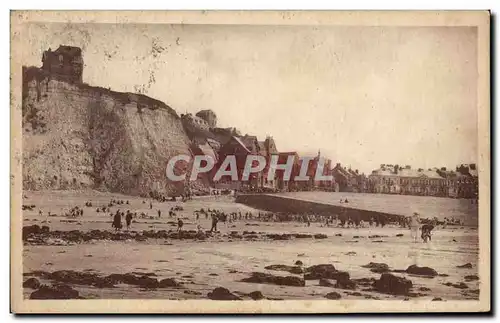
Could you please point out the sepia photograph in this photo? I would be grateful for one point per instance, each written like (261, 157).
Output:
(250, 162)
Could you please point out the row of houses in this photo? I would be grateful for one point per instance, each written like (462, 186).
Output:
(394, 179)
(208, 139)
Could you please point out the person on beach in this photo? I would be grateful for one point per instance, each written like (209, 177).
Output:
(414, 225)
(128, 219)
(159, 214)
(117, 221)
(215, 219)
(426, 231)
(179, 224)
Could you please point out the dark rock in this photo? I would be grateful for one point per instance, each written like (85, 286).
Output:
(345, 284)
(469, 278)
(298, 263)
(143, 274)
(467, 265)
(263, 278)
(222, 294)
(212, 274)
(103, 283)
(302, 236)
(338, 234)
(424, 271)
(147, 282)
(55, 292)
(326, 283)
(424, 289)
(256, 295)
(327, 271)
(275, 236)
(365, 281)
(232, 271)
(169, 282)
(460, 285)
(377, 267)
(333, 295)
(32, 283)
(399, 235)
(31, 230)
(437, 299)
(291, 269)
(355, 294)
(129, 278)
(443, 275)
(320, 236)
(391, 284)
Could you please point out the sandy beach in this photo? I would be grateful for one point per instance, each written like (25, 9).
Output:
(238, 250)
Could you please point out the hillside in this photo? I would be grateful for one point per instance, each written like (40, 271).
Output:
(78, 136)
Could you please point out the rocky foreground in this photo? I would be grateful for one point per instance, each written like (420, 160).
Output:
(64, 284)
(326, 275)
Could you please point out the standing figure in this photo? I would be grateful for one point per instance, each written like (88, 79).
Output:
(117, 221)
(128, 219)
(426, 231)
(179, 224)
(414, 225)
(215, 219)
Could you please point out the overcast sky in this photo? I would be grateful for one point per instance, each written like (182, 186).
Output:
(363, 95)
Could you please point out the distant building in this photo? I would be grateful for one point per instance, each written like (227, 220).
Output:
(393, 179)
(66, 62)
(209, 116)
(236, 147)
(267, 149)
(195, 126)
(223, 135)
(283, 183)
(348, 180)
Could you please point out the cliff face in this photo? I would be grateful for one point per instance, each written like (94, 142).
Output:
(77, 136)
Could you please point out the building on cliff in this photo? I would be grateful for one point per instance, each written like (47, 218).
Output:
(209, 116)
(66, 62)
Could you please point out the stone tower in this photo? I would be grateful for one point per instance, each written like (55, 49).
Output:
(66, 62)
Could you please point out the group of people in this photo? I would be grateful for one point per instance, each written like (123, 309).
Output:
(415, 224)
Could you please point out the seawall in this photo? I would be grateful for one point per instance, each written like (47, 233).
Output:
(274, 203)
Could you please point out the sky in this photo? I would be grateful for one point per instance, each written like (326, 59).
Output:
(363, 96)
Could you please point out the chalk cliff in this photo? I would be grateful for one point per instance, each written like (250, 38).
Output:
(78, 136)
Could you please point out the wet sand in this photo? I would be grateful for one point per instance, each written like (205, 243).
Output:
(222, 261)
